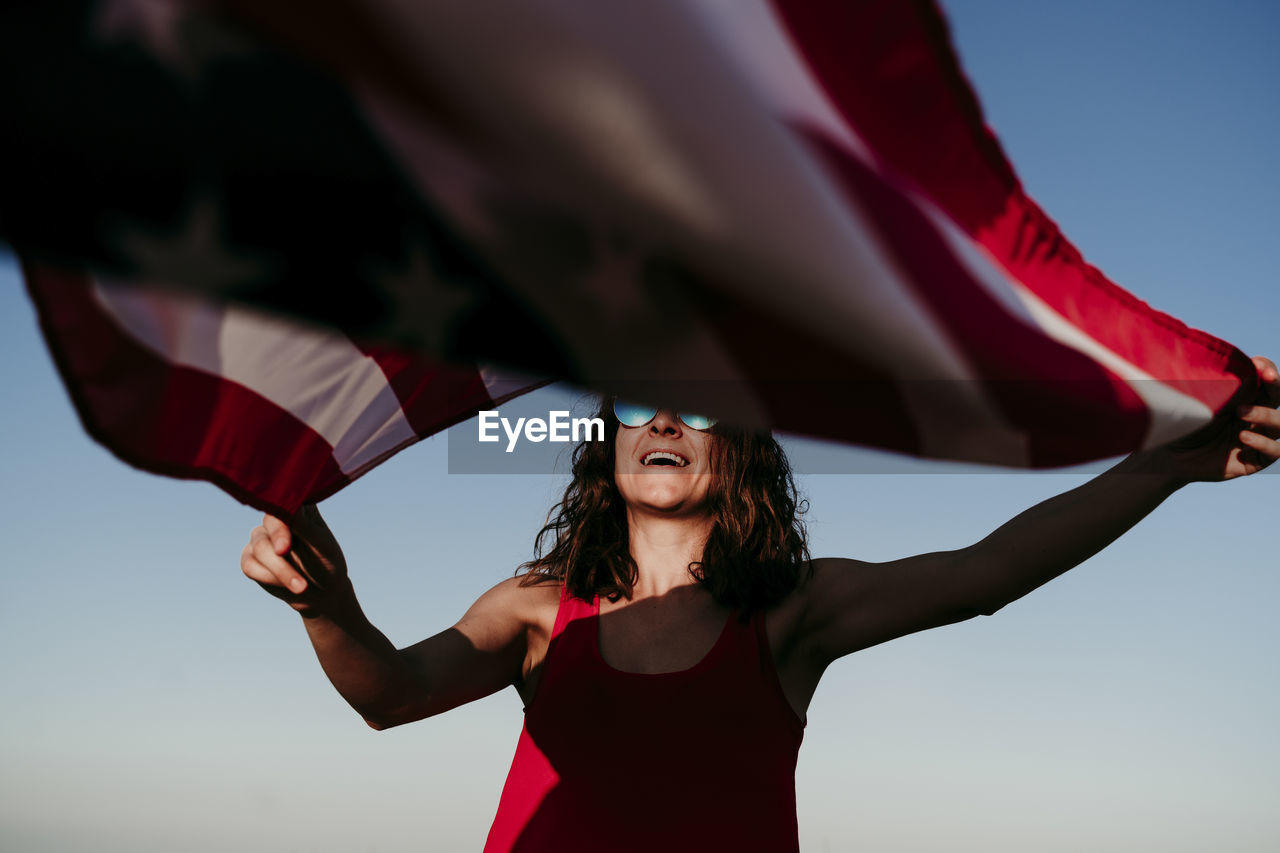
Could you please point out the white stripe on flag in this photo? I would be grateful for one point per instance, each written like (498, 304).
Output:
(502, 384)
(787, 223)
(757, 43)
(751, 31)
(1173, 413)
(320, 377)
(752, 36)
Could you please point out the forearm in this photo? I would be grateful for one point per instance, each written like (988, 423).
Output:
(361, 663)
(1062, 532)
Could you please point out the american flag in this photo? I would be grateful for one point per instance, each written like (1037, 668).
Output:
(236, 220)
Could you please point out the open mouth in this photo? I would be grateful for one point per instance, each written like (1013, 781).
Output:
(665, 458)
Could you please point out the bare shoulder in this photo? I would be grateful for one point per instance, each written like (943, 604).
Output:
(852, 604)
(537, 600)
(838, 576)
(827, 575)
(796, 622)
(486, 650)
(795, 629)
(521, 601)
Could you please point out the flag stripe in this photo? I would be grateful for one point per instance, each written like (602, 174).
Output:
(318, 376)
(794, 218)
(275, 414)
(898, 53)
(871, 58)
(177, 420)
(435, 396)
(1171, 412)
(1026, 372)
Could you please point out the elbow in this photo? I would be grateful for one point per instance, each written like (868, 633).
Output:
(982, 607)
(988, 608)
(979, 590)
(388, 718)
(383, 721)
(964, 614)
(967, 610)
(378, 716)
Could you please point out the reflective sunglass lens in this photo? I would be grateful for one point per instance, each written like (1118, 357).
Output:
(629, 414)
(698, 422)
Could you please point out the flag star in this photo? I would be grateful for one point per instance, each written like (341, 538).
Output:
(425, 308)
(192, 254)
(153, 24)
(206, 40)
(594, 274)
(186, 41)
(589, 282)
(614, 285)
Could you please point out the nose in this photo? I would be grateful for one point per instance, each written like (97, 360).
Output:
(665, 422)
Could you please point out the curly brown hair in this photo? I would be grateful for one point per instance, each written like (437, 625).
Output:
(755, 555)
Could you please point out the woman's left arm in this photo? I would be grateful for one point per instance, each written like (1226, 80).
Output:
(850, 605)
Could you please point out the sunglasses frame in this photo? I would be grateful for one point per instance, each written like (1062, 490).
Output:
(711, 422)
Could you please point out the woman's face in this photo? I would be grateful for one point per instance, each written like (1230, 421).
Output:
(664, 467)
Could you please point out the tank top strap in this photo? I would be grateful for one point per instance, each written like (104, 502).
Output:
(572, 608)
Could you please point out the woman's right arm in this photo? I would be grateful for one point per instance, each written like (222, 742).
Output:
(480, 655)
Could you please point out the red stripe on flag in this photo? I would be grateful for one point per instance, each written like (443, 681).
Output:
(1031, 377)
(433, 396)
(889, 69)
(807, 386)
(1200, 365)
(175, 420)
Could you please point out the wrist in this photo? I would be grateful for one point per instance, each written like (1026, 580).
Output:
(335, 602)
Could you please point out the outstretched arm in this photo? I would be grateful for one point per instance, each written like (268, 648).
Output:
(480, 655)
(850, 605)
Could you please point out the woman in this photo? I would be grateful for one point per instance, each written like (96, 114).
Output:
(668, 644)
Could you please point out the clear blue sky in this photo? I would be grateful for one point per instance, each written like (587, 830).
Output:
(155, 700)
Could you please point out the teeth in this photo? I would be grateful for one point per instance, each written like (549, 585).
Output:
(662, 454)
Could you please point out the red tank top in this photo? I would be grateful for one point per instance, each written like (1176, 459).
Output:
(696, 760)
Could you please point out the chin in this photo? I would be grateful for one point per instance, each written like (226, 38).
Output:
(667, 501)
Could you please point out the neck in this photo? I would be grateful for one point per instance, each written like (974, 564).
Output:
(663, 548)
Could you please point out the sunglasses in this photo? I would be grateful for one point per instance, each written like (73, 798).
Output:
(631, 415)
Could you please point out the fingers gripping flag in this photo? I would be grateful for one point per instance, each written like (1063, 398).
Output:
(786, 213)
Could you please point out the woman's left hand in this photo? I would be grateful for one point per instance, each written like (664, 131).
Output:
(1246, 445)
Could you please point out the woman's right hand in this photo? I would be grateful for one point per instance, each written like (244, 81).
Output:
(301, 565)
